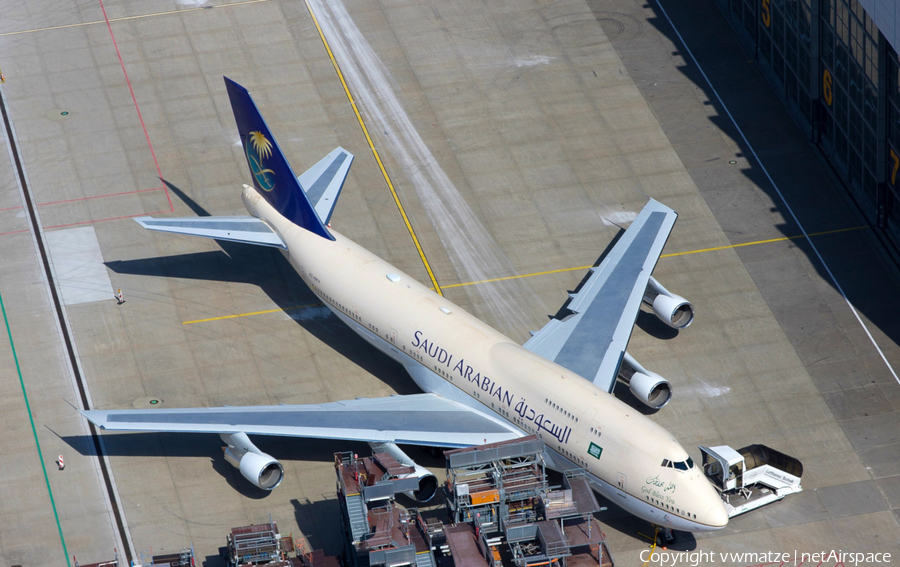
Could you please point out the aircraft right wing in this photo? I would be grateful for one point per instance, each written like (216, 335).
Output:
(418, 419)
(591, 342)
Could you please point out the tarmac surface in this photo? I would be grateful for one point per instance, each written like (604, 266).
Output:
(518, 137)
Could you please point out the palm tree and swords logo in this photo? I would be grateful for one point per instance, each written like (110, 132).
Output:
(260, 148)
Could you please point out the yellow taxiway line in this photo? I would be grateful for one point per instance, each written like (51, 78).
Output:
(308, 305)
(662, 256)
(125, 18)
(672, 255)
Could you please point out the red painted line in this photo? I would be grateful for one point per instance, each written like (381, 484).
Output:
(136, 107)
(149, 145)
(88, 221)
(103, 197)
(94, 197)
(104, 220)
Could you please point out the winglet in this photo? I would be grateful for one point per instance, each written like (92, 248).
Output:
(272, 176)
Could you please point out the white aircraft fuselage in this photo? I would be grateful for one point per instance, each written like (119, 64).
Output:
(449, 352)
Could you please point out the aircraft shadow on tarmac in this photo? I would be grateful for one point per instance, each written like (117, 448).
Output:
(183, 445)
(267, 268)
(641, 530)
(317, 521)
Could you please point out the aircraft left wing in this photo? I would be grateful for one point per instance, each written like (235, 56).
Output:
(419, 419)
(246, 229)
(591, 342)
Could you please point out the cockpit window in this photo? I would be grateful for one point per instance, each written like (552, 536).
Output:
(680, 465)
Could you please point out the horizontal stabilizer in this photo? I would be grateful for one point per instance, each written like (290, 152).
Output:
(323, 182)
(249, 230)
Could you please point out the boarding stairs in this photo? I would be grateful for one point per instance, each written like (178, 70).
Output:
(425, 559)
(356, 513)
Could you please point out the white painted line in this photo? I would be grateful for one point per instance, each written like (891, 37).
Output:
(777, 190)
(471, 249)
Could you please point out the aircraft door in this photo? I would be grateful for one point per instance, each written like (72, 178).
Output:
(623, 481)
(394, 337)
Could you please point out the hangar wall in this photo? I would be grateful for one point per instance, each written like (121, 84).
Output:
(838, 75)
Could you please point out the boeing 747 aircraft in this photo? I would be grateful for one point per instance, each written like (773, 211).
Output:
(479, 386)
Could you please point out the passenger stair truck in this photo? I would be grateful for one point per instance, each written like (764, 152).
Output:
(751, 477)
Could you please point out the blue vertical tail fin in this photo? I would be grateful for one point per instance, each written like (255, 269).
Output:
(272, 176)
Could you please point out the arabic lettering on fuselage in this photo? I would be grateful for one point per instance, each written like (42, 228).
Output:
(659, 483)
(560, 432)
(505, 397)
(459, 366)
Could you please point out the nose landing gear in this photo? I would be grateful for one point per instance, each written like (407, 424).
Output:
(662, 536)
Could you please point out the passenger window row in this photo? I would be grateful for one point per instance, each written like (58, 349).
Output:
(678, 511)
(561, 410)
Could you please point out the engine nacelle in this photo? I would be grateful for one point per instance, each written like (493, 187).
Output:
(649, 387)
(262, 470)
(673, 310)
(652, 389)
(428, 483)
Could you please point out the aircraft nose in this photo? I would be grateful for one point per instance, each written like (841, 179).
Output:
(717, 516)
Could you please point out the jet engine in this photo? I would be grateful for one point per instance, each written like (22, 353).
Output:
(259, 468)
(428, 483)
(673, 310)
(649, 387)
